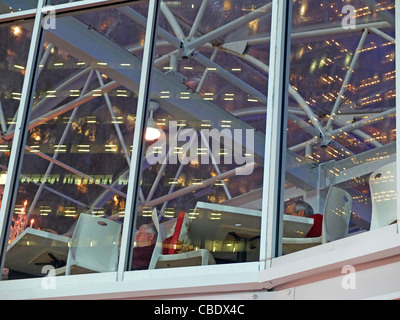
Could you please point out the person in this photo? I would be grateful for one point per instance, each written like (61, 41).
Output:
(145, 242)
(301, 208)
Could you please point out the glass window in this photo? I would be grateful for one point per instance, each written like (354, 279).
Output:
(10, 6)
(71, 197)
(341, 122)
(202, 177)
(15, 47)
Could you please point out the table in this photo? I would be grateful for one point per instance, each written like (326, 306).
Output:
(30, 251)
(224, 230)
(296, 227)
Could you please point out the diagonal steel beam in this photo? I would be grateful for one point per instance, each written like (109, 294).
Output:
(91, 46)
(75, 171)
(383, 13)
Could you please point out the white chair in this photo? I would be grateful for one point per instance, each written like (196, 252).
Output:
(337, 214)
(94, 245)
(191, 258)
(382, 183)
(335, 225)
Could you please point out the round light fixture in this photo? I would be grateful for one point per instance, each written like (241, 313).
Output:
(152, 131)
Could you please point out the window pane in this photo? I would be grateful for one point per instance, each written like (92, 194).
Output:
(341, 129)
(15, 47)
(72, 193)
(9, 6)
(202, 176)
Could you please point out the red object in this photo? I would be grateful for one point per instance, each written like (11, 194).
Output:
(316, 229)
(141, 257)
(172, 245)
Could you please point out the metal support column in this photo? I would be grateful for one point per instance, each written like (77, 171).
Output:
(275, 137)
(132, 200)
(397, 66)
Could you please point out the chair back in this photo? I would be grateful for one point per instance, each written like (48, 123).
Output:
(382, 183)
(191, 258)
(95, 244)
(337, 214)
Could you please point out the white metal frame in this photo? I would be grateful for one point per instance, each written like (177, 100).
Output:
(247, 275)
(136, 161)
(275, 138)
(397, 28)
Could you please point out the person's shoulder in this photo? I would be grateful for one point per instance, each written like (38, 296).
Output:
(317, 216)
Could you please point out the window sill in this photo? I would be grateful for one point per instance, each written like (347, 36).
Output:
(328, 260)
(307, 266)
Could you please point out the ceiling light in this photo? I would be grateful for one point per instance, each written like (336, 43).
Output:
(152, 131)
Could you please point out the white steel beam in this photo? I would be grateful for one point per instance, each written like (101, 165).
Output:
(56, 153)
(113, 117)
(397, 65)
(2, 120)
(275, 136)
(75, 171)
(346, 80)
(377, 8)
(89, 45)
(229, 27)
(172, 21)
(197, 21)
(204, 183)
(322, 31)
(135, 174)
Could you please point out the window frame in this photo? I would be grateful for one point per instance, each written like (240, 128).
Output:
(272, 269)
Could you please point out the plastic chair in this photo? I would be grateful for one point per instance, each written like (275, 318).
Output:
(94, 244)
(382, 183)
(335, 225)
(192, 258)
(337, 214)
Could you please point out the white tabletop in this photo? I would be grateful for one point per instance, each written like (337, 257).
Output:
(33, 246)
(214, 221)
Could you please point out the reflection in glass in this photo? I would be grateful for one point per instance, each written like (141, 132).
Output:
(14, 53)
(11, 6)
(202, 179)
(71, 197)
(341, 118)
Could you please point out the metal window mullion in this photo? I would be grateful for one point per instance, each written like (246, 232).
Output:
(19, 139)
(275, 137)
(132, 199)
(17, 16)
(397, 64)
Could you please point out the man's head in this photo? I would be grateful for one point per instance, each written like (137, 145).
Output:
(146, 236)
(300, 208)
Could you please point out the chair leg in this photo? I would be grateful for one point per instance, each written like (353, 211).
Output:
(68, 266)
(204, 257)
